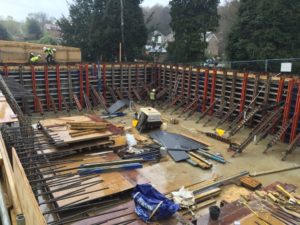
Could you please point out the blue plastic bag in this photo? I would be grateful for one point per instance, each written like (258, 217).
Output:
(150, 204)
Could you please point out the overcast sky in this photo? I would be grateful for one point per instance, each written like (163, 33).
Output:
(19, 9)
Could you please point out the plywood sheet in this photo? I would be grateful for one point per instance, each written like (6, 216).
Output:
(112, 183)
(120, 214)
(170, 176)
(79, 146)
(58, 129)
(30, 207)
(115, 182)
(6, 113)
(195, 137)
(9, 178)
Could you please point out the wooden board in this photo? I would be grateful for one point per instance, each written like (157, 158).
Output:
(6, 113)
(195, 137)
(123, 213)
(1, 159)
(9, 178)
(58, 129)
(79, 146)
(30, 207)
(18, 52)
(251, 219)
(13, 217)
(116, 182)
(170, 176)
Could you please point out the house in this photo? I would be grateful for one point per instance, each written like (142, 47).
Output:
(213, 45)
(157, 46)
(156, 43)
(53, 30)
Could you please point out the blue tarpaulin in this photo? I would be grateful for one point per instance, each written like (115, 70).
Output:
(151, 204)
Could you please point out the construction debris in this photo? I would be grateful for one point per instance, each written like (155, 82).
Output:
(118, 106)
(250, 183)
(84, 167)
(183, 197)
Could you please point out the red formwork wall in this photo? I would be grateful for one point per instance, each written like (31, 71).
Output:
(58, 82)
(206, 85)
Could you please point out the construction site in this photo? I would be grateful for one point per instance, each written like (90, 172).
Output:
(84, 144)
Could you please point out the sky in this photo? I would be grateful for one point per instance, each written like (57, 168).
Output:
(19, 9)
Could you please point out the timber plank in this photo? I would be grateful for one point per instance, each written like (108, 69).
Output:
(18, 52)
(59, 129)
(6, 113)
(31, 210)
(9, 178)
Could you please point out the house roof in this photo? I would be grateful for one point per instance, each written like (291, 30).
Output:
(210, 35)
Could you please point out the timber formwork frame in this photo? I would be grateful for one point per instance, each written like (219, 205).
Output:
(243, 91)
(55, 86)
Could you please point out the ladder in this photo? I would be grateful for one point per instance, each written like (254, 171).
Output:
(76, 100)
(179, 78)
(227, 116)
(291, 147)
(87, 102)
(278, 135)
(99, 98)
(259, 128)
(234, 130)
(270, 127)
(112, 93)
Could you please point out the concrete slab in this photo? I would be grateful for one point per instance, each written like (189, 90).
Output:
(169, 175)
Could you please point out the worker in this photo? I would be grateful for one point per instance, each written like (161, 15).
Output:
(31, 55)
(34, 59)
(152, 97)
(49, 54)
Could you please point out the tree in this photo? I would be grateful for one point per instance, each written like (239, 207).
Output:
(13, 27)
(265, 29)
(95, 27)
(228, 16)
(33, 29)
(40, 17)
(191, 20)
(77, 29)
(158, 18)
(4, 35)
(48, 39)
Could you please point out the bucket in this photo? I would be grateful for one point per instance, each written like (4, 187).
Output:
(214, 212)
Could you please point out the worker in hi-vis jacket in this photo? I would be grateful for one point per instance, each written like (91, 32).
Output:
(152, 97)
(34, 58)
(49, 54)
